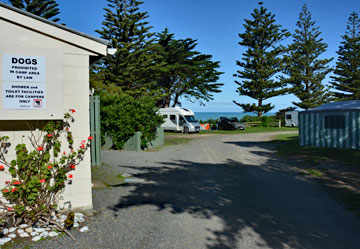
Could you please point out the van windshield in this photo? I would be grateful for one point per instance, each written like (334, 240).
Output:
(190, 118)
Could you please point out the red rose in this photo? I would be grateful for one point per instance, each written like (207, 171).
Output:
(70, 176)
(72, 166)
(13, 190)
(7, 182)
(42, 180)
(9, 209)
(40, 148)
(64, 152)
(5, 190)
(83, 146)
(16, 182)
(90, 138)
(49, 167)
(49, 135)
(2, 167)
(72, 110)
(83, 141)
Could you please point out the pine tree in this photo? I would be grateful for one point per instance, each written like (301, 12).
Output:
(186, 74)
(306, 71)
(134, 65)
(45, 8)
(347, 71)
(262, 61)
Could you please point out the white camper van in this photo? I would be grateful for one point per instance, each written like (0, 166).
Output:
(179, 119)
(292, 118)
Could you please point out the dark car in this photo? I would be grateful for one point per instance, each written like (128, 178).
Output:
(229, 124)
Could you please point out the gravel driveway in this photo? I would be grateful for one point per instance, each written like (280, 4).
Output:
(223, 191)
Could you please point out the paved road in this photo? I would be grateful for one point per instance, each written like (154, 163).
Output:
(226, 191)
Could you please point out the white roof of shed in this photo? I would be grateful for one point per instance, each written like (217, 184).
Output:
(339, 106)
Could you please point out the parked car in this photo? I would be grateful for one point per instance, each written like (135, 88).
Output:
(230, 124)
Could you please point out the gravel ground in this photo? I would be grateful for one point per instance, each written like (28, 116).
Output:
(225, 191)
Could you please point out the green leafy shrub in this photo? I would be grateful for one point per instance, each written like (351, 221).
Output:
(265, 120)
(39, 174)
(122, 116)
(248, 118)
(210, 121)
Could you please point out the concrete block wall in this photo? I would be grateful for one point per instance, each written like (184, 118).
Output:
(75, 96)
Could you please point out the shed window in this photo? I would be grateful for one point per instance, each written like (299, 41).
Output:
(335, 122)
(288, 116)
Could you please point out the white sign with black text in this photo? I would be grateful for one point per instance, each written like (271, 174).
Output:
(24, 82)
(20, 68)
(24, 95)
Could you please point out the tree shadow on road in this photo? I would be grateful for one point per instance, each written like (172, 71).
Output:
(339, 168)
(284, 210)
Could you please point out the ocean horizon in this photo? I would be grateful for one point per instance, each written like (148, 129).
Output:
(204, 116)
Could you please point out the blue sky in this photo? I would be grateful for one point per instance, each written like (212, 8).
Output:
(216, 25)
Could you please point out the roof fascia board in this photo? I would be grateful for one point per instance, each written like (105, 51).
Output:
(332, 110)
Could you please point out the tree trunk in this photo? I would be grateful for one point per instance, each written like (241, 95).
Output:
(176, 99)
(260, 112)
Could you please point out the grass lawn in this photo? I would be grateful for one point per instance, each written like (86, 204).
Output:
(168, 140)
(255, 129)
(173, 138)
(102, 176)
(288, 145)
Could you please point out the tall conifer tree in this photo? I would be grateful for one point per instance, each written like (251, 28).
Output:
(304, 67)
(186, 74)
(347, 71)
(262, 61)
(134, 66)
(45, 8)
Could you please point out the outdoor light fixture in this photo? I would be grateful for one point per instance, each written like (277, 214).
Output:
(111, 51)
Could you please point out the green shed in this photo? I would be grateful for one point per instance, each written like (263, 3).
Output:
(332, 125)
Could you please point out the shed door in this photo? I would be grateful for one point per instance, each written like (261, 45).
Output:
(336, 132)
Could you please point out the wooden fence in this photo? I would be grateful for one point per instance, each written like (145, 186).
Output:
(259, 123)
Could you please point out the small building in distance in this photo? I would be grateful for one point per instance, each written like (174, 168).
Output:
(332, 125)
(292, 118)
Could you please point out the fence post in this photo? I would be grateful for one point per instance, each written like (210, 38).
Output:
(95, 131)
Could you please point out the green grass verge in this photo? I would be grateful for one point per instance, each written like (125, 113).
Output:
(288, 146)
(256, 129)
(105, 175)
(176, 140)
(16, 243)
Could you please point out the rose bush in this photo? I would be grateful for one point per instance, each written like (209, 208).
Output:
(39, 173)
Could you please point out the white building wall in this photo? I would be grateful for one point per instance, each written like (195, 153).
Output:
(75, 96)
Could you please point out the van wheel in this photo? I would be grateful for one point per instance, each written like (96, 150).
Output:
(186, 130)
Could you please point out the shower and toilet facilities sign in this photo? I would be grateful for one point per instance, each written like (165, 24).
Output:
(24, 85)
